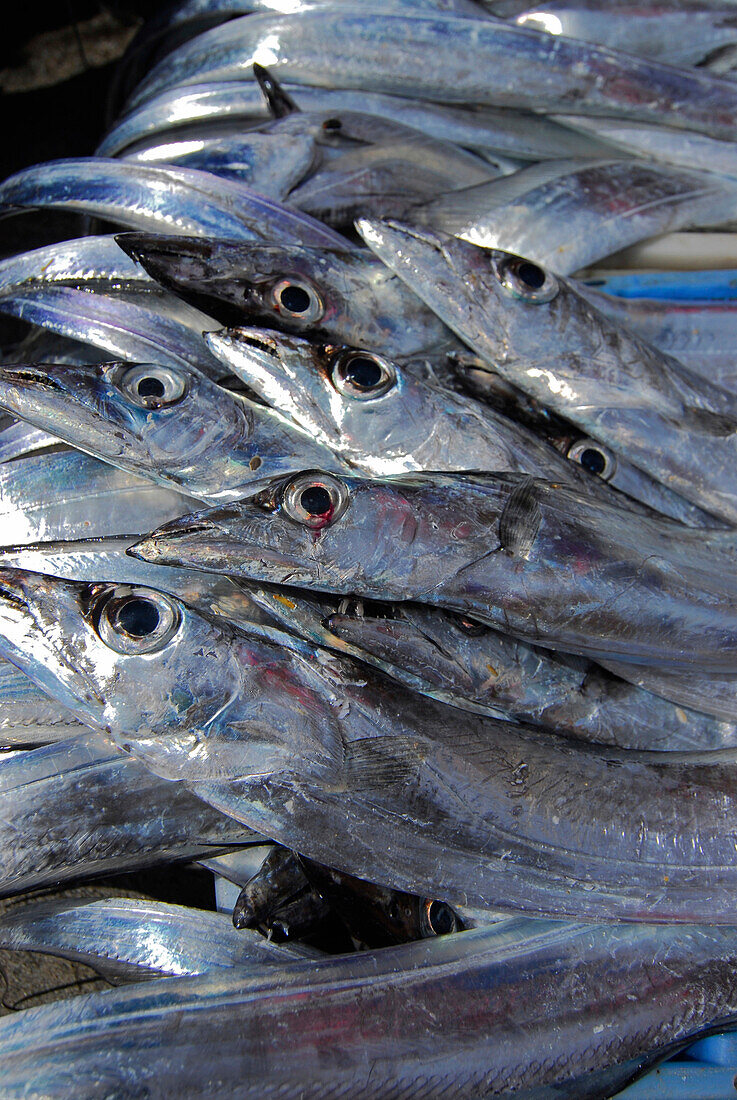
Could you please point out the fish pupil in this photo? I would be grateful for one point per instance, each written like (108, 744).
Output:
(295, 299)
(138, 618)
(531, 275)
(593, 461)
(363, 373)
(316, 500)
(441, 918)
(150, 387)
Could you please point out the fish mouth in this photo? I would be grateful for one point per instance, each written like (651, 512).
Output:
(156, 246)
(371, 229)
(26, 377)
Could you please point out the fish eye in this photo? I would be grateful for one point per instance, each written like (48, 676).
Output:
(153, 386)
(526, 280)
(137, 620)
(297, 298)
(315, 500)
(363, 375)
(593, 457)
(438, 919)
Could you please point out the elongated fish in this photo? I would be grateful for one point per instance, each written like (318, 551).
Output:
(667, 421)
(329, 759)
(168, 199)
(532, 558)
(28, 717)
(569, 214)
(167, 424)
(81, 807)
(132, 940)
(481, 1014)
(512, 66)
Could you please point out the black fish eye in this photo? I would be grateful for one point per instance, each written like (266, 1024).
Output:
(594, 458)
(332, 125)
(296, 298)
(137, 620)
(363, 375)
(439, 919)
(153, 386)
(315, 500)
(527, 280)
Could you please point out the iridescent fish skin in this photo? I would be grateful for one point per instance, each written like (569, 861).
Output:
(178, 201)
(95, 262)
(569, 214)
(347, 296)
(383, 52)
(330, 760)
(131, 940)
(532, 558)
(669, 422)
(404, 419)
(477, 1010)
(28, 717)
(170, 425)
(81, 807)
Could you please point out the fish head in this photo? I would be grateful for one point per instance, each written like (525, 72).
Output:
(394, 538)
(126, 659)
(358, 403)
(143, 413)
(515, 303)
(348, 297)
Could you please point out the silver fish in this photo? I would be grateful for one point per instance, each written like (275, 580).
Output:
(566, 215)
(383, 418)
(489, 131)
(531, 558)
(27, 716)
(384, 52)
(261, 161)
(328, 759)
(677, 32)
(178, 201)
(81, 807)
(167, 424)
(131, 940)
(92, 262)
(480, 1013)
(674, 425)
(348, 296)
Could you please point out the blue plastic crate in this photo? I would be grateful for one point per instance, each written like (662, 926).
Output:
(706, 1071)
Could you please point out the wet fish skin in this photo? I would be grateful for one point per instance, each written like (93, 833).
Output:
(470, 1006)
(531, 558)
(330, 760)
(672, 424)
(94, 261)
(131, 940)
(196, 203)
(311, 48)
(196, 437)
(414, 422)
(27, 716)
(570, 214)
(462, 663)
(81, 807)
(353, 297)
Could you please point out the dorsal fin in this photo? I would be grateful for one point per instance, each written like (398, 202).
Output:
(520, 520)
(279, 102)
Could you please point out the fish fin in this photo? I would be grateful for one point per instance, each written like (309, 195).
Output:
(520, 520)
(279, 102)
(380, 762)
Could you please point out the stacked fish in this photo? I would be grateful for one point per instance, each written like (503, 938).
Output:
(368, 536)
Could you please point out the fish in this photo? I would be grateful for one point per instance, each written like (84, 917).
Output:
(178, 201)
(80, 807)
(669, 422)
(280, 899)
(94, 262)
(531, 558)
(347, 296)
(327, 758)
(170, 425)
(490, 132)
(263, 162)
(569, 214)
(382, 418)
(387, 53)
(28, 717)
(127, 939)
(480, 1013)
